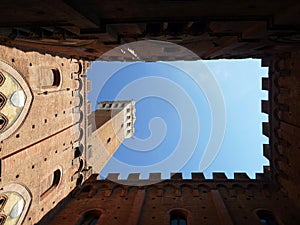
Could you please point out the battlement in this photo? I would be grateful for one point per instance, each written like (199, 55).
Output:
(136, 180)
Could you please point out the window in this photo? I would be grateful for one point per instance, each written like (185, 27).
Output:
(178, 217)
(50, 78)
(266, 217)
(89, 218)
(55, 179)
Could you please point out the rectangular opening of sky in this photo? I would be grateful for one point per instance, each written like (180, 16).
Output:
(191, 116)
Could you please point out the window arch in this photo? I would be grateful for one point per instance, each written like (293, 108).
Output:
(178, 217)
(89, 218)
(266, 217)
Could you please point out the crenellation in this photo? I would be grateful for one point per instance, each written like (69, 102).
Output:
(113, 177)
(265, 106)
(241, 177)
(176, 176)
(89, 108)
(267, 151)
(88, 86)
(265, 83)
(198, 176)
(266, 129)
(133, 177)
(267, 172)
(155, 177)
(219, 176)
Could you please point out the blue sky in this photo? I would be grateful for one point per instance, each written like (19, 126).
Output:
(175, 115)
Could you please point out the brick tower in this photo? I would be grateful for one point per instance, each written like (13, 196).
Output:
(111, 123)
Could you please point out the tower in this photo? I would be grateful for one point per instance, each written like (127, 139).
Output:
(111, 123)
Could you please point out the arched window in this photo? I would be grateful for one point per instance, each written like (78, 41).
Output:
(50, 78)
(178, 217)
(266, 217)
(50, 182)
(89, 218)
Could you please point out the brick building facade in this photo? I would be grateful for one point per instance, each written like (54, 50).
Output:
(47, 137)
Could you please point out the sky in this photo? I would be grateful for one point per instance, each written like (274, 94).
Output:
(199, 116)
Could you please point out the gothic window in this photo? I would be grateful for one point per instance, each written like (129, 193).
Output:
(178, 217)
(15, 100)
(89, 218)
(266, 217)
